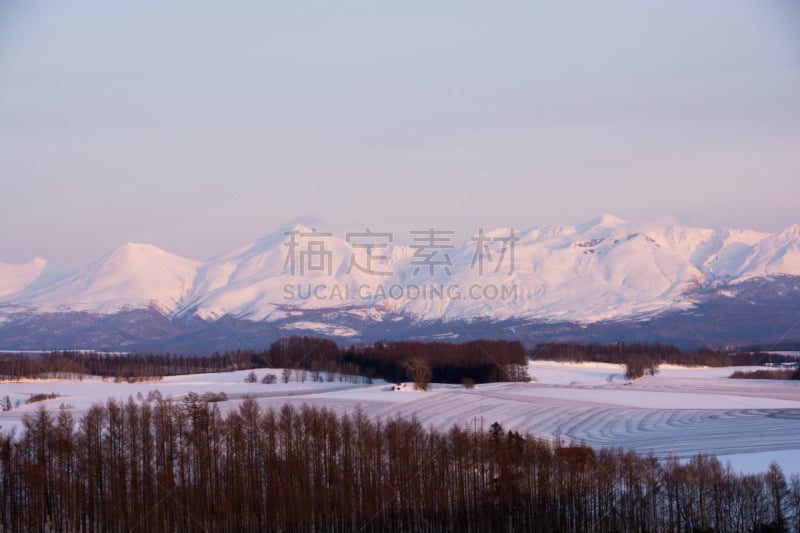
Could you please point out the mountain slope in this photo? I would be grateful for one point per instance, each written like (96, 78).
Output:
(257, 280)
(774, 255)
(30, 275)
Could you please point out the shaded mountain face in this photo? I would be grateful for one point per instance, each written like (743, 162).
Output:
(30, 276)
(604, 279)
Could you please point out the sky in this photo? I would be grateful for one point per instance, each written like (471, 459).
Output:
(200, 126)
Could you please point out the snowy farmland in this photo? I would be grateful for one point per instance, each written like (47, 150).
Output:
(681, 411)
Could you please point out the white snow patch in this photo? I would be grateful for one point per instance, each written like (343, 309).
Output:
(321, 327)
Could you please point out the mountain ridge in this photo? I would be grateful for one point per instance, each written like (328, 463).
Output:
(597, 272)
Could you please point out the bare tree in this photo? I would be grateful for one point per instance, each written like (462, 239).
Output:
(419, 371)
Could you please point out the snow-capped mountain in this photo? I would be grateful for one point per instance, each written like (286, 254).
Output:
(603, 270)
(131, 277)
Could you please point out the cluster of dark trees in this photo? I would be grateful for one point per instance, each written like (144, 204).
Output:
(636, 367)
(621, 353)
(767, 374)
(480, 361)
(184, 466)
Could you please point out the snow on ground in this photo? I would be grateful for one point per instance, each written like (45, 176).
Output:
(681, 411)
(321, 327)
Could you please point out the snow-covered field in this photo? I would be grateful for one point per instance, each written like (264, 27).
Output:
(681, 411)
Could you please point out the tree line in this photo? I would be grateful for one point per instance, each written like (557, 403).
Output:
(186, 466)
(119, 366)
(478, 361)
(621, 353)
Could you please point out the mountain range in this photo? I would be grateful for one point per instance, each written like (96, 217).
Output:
(601, 280)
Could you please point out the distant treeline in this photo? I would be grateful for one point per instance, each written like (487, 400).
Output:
(787, 373)
(621, 353)
(480, 361)
(475, 361)
(184, 466)
(120, 367)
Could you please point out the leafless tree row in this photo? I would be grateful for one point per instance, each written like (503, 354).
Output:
(184, 466)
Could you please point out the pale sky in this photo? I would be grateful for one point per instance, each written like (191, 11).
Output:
(200, 126)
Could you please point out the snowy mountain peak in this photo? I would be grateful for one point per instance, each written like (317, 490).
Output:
(132, 276)
(792, 232)
(139, 251)
(605, 220)
(137, 247)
